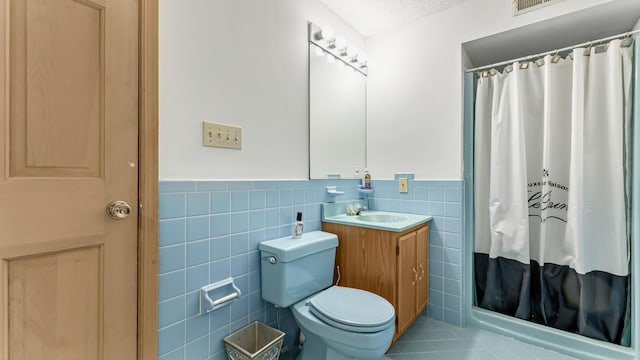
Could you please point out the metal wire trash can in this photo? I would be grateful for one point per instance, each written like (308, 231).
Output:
(255, 341)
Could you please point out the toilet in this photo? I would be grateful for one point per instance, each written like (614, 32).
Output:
(337, 322)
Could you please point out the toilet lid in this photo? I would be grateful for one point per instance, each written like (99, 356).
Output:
(352, 309)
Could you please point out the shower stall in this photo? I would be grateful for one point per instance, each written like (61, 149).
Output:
(552, 198)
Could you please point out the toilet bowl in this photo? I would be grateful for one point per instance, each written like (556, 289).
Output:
(337, 322)
(345, 323)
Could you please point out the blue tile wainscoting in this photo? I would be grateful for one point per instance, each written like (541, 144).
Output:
(210, 230)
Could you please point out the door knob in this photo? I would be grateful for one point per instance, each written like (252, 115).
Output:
(118, 210)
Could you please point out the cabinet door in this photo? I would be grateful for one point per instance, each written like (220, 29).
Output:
(422, 257)
(378, 272)
(407, 276)
(349, 254)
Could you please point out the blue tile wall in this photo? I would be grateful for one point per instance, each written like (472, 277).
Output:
(210, 230)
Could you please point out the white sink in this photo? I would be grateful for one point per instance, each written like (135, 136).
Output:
(373, 219)
(381, 218)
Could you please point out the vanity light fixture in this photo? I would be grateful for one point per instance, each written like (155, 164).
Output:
(336, 48)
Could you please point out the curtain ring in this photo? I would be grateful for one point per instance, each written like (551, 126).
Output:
(587, 51)
(493, 72)
(601, 49)
(540, 62)
(555, 58)
(508, 68)
(524, 65)
(627, 41)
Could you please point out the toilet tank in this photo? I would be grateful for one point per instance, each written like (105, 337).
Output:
(293, 269)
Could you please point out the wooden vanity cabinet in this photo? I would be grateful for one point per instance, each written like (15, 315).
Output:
(391, 264)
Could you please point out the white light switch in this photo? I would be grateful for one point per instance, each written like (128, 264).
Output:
(220, 135)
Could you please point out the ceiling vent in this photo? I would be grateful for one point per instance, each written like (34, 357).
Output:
(524, 6)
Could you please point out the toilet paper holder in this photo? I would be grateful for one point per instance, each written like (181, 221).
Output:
(217, 295)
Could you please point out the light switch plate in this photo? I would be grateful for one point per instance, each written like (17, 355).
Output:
(403, 185)
(220, 135)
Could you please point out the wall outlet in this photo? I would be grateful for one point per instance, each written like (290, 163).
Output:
(219, 135)
(403, 185)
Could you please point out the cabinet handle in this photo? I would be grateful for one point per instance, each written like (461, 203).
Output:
(421, 272)
(415, 275)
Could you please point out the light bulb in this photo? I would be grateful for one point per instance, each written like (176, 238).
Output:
(325, 33)
(339, 43)
(352, 51)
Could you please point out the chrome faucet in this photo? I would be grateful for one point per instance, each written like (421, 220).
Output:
(355, 209)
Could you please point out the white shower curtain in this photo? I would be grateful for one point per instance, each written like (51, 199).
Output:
(551, 233)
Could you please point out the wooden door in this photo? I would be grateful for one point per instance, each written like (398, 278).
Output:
(68, 140)
(422, 261)
(407, 276)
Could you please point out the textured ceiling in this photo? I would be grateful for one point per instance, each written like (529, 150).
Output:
(369, 17)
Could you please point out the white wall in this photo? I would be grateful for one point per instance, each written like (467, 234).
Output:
(242, 63)
(414, 92)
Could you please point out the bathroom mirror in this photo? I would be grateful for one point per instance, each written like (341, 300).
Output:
(337, 117)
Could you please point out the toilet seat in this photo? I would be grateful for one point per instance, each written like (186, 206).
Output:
(352, 309)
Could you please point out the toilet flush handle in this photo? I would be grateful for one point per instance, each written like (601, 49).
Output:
(272, 259)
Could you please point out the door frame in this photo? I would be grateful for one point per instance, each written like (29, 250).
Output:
(148, 180)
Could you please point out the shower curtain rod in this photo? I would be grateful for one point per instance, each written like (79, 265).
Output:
(554, 51)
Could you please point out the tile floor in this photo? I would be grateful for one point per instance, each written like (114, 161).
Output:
(429, 339)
